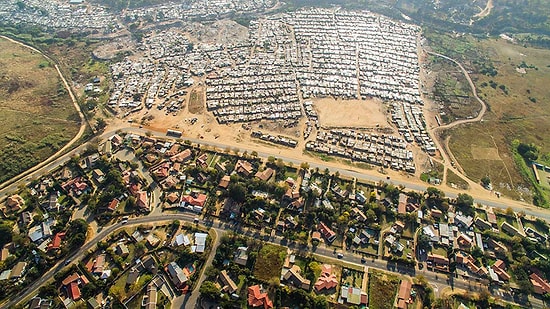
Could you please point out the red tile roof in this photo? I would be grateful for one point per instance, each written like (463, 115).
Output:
(56, 241)
(74, 291)
(327, 280)
(256, 298)
(200, 200)
(540, 285)
(113, 204)
(72, 278)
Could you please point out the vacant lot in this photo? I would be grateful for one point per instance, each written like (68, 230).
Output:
(36, 112)
(351, 113)
(269, 262)
(196, 101)
(519, 106)
(382, 289)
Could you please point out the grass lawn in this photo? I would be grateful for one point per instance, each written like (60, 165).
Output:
(409, 230)
(481, 214)
(382, 289)
(269, 262)
(454, 180)
(541, 228)
(439, 250)
(510, 220)
(352, 277)
(212, 159)
(369, 248)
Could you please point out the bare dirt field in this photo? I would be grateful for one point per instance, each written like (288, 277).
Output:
(351, 113)
(196, 100)
(485, 153)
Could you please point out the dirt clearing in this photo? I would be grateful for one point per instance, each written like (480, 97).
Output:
(351, 113)
(196, 101)
(482, 153)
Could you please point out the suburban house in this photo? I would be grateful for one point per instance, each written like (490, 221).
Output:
(243, 167)
(482, 224)
(241, 256)
(329, 234)
(265, 175)
(228, 285)
(224, 182)
(14, 203)
(500, 269)
(294, 277)
(404, 294)
(510, 229)
(327, 280)
(200, 242)
(194, 199)
(257, 298)
(540, 285)
(176, 275)
(182, 157)
(56, 241)
(439, 262)
(354, 296)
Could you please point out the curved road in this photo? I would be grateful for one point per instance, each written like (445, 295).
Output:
(474, 91)
(443, 145)
(76, 106)
(189, 301)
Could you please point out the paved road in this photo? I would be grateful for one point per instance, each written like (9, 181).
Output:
(435, 279)
(370, 176)
(35, 169)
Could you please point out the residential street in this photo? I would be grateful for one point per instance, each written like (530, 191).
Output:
(437, 280)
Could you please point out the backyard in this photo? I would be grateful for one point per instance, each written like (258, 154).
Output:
(269, 262)
(382, 289)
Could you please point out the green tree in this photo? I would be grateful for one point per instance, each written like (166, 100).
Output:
(485, 181)
(6, 234)
(464, 201)
(237, 192)
(209, 290)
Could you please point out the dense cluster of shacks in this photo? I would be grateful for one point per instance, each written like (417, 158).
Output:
(163, 75)
(345, 53)
(312, 118)
(279, 139)
(58, 15)
(79, 16)
(319, 52)
(373, 148)
(260, 92)
(198, 9)
(410, 123)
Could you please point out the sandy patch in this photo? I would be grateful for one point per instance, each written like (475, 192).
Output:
(351, 113)
(485, 153)
(197, 101)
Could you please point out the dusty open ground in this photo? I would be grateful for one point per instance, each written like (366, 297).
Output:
(351, 113)
(485, 153)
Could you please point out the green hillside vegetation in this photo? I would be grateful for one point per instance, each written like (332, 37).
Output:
(37, 115)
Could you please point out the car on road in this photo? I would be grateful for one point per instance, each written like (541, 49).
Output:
(363, 260)
(67, 262)
(340, 255)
